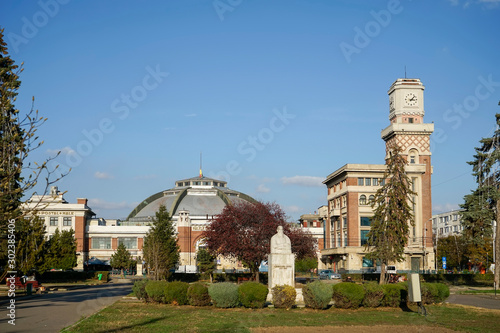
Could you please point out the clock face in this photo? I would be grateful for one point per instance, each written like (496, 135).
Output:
(411, 99)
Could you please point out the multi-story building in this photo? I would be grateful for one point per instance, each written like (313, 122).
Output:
(192, 204)
(447, 224)
(351, 187)
(315, 224)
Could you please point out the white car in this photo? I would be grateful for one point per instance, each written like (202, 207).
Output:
(328, 274)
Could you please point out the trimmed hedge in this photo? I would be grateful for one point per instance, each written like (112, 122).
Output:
(394, 294)
(348, 295)
(156, 290)
(317, 295)
(176, 293)
(139, 289)
(434, 292)
(198, 294)
(284, 296)
(374, 294)
(224, 294)
(72, 276)
(252, 295)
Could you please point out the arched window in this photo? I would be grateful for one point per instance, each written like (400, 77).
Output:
(413, 156)
(362, 199)
(371, 199)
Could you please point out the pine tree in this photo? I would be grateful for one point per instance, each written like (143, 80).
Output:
(61, 250)
(30, 249)
(161, 250)
(121, 259)
(393, 214)
(482, 206)
(206, 261)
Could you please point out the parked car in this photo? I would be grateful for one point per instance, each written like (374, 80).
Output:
(327, 274)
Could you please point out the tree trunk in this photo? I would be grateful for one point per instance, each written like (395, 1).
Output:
(382, 274)
(497, 247)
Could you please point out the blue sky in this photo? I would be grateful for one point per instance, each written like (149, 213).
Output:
(276, 94)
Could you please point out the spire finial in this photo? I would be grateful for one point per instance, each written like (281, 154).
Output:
(201, 173)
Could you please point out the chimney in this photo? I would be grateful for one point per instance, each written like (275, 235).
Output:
(82, 201)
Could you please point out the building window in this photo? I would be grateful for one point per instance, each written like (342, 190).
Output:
(455, 217)
(345, 238)
(368, 181)
(364, 236)
(367, 262)
(67, 221)
(360, 181)
(344, 219)
(455, 228)
(362, 199)
(344, 201)
(375, 181)
(382, 182)
(365, 221)
(413, 156)
(371, 199)
(129, 242)
(338, 240)
(101, 243)
(53, 221)
(410, 120)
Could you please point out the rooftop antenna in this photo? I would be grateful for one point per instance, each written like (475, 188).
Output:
(201, 173)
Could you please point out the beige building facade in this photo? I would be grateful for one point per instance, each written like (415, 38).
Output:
(351, 188)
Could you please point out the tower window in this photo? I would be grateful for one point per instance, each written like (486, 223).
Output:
(362, 199)
(410, 120)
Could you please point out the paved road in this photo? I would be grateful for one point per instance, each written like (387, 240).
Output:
(53, 312)
(481, 301)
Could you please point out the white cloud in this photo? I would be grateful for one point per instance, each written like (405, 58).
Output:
(102, 204)
(102, 175)
(263, 189)
(293, 209)
(443, 208)
(64, 151)
(190, 115)
(308, 181)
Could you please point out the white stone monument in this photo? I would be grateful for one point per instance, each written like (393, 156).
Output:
(281, 261)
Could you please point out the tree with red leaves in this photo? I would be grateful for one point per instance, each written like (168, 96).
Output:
(243, 230)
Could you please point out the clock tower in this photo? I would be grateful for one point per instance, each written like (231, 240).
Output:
(408, 130)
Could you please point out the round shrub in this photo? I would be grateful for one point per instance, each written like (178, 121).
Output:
(393, 294)
(224, 295)
(252, 294)
(156, 290)
(443, 292)
(317, 295)
(374, 294)
(284, 296)
(139, 289)
(198, 294)
(348, 295)
(176, 293)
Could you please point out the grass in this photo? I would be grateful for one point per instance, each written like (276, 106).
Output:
(139, 317)
(473, 292)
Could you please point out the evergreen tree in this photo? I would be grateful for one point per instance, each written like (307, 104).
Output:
(121, 259)
(482, 206)
(206, 261)
(17, 140)
(30, 249)
(61, 250)
(393, 215)
(161, 250)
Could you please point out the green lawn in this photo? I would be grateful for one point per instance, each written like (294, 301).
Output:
(140, 317)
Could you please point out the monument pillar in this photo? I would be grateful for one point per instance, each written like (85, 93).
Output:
(281, 261)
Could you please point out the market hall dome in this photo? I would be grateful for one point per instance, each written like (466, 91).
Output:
(192, 204)
(201, 197)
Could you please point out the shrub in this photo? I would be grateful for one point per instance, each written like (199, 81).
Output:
(284, 296)
(374, 294)
(198, 294)
(317, 295)
(176, 292)
(348, 295)
(104, 277)
(393, 294)
(252, 294)
(139, 289)
(224, 294)
(443, 292)
(156, 290)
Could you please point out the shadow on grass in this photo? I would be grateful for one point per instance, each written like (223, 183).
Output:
(121, 329)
